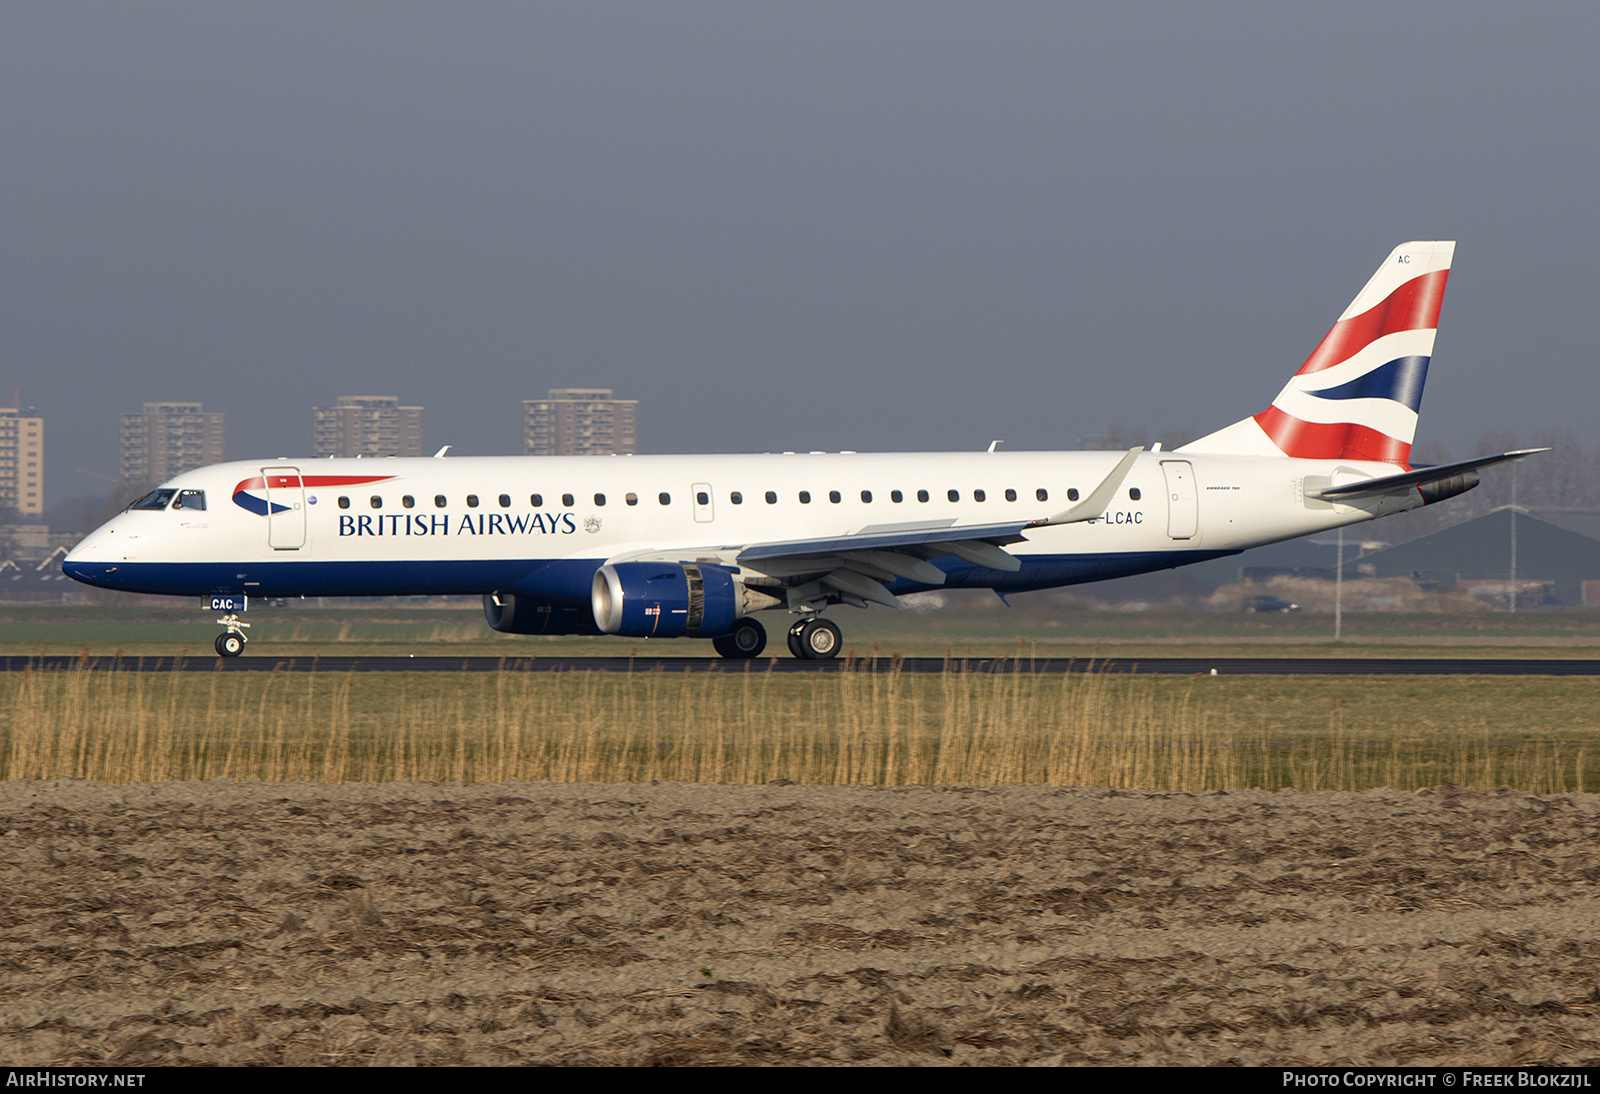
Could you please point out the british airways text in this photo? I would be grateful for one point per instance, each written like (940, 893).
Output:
(439, 524)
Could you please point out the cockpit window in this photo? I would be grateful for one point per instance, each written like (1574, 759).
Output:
(155, 499)
(190, 499)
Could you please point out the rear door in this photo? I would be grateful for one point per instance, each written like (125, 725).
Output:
(286, 508)
(1183, 507)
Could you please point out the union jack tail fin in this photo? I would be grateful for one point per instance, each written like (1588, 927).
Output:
(1357, 395)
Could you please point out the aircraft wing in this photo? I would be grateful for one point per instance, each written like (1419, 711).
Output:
(858, 566)
(891, 537)
(1422, 476)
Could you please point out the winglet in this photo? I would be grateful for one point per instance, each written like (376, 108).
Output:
(1095, 504)
(439, 455)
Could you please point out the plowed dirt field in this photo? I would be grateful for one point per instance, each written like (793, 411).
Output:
(254, 923)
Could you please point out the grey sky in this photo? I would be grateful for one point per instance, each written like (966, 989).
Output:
(874, 226)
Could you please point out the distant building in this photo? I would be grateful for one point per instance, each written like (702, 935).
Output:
(21, 460)
(580, 421)
(168, 439)
(1556, 551)
(366, 425)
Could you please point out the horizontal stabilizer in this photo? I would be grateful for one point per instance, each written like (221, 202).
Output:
(1420, 477)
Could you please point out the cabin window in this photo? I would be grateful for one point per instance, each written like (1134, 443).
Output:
(567, 500)
(155, 499)
(922, 495)
(664, 499)
(1044, 495)
(736, 497)
(344, 503)
(632, 499)
(505, 501)
(866, 496)
(472, 501)
(1011, 495)
(772, 498)
(190, 499)
(439, 502)
(599, 499)
(979, 495)
(833, 496)
(408, 502)
(805, 497)
(1133, 493)
(537, 501)
(953, 495)
(896, 496)
(377, 502)
(1072, 493)
(702, 498)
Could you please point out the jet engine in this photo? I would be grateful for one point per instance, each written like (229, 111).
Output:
(671, 600)
(517, 613)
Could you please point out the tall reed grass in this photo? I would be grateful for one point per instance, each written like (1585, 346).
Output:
(848, 728)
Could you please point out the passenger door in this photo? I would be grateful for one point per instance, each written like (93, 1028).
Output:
(1183, 507)
(286, 508)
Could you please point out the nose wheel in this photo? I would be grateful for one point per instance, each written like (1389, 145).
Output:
(230, 643)
(815, 639)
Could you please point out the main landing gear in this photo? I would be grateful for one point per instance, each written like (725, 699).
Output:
(810, 639)
(231, 642)
(815, 639)
(747, 639)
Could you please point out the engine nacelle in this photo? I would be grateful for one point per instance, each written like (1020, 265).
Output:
(1447, 487)
(671, 600)
(515, 613)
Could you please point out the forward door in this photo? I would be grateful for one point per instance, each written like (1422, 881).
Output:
(286, 508)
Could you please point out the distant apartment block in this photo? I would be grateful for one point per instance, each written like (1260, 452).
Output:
(366, 425)
(21, 460)
(580, 421)
(168, 439)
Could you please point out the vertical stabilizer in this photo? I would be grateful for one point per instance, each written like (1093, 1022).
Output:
(1358, 394)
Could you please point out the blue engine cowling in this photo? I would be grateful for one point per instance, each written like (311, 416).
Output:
(516, 613)
(665, 600)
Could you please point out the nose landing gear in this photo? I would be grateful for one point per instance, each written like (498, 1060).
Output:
(231, 642)
(815, 639)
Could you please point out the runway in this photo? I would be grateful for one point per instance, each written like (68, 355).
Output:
(1164, 666)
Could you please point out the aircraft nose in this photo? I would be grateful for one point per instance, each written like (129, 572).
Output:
(103, 574)
(93, 561)
(91, 548)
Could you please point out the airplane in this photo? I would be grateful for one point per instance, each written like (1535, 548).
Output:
(698, 546)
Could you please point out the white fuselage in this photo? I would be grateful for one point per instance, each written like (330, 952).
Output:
(543, 525)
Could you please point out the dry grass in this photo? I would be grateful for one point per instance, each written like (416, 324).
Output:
(837, 729)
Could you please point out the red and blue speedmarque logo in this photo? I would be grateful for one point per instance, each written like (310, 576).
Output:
(244, 499)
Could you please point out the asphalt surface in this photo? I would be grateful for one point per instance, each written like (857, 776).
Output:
(1165, 666)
